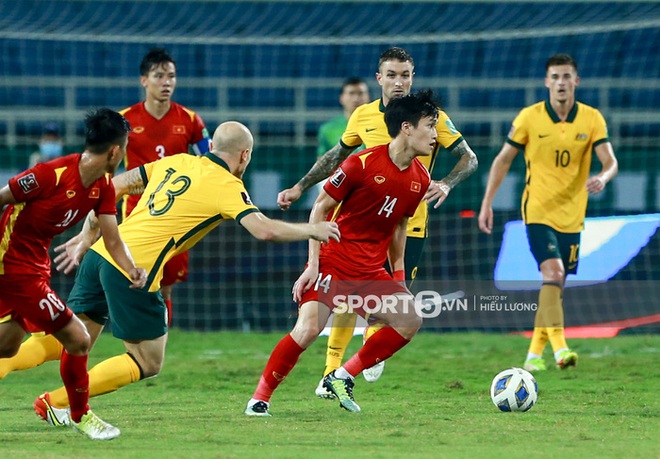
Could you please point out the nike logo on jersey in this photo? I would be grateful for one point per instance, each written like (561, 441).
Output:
(542, 136)
(379, 179)
(369, 129)
(138, 129)
(70, 194)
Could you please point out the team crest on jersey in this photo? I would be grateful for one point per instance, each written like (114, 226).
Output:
(416, 187)
(70, 194)
(178, 129)
(138, 129)
(246, 198)
(94, 193)
(28, 183)
(338, 178)
(581, 137)
(379, 179)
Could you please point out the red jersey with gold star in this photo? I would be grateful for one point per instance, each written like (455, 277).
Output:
(151, 139)
(50, 199)
(374, 196)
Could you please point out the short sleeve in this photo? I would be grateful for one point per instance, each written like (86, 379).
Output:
(235, 202)
(448, 135)
(519, 133)
(200, 141)
(345, 178)
(107, 203)
(351, 137)
(600, 134)
(30, 184)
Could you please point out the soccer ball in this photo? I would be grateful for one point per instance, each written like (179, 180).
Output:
(514, 389)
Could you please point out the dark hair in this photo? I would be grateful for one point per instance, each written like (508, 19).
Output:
(395, 54)
(352, 81)
(103, 129)
(411, 108)
(561, 59)
(155, 57)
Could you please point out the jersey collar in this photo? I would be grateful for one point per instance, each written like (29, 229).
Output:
(553, 115)
(216, 160)
(381, 107)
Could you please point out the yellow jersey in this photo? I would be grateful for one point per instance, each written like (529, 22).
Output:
(558, 159)
(367, 126)
(185, 197)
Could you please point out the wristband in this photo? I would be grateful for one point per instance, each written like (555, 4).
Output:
(399, 275)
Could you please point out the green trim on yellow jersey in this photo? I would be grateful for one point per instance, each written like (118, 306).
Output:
(185, 197)
(558, 158)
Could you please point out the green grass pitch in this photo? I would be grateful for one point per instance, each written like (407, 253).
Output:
(431, 402)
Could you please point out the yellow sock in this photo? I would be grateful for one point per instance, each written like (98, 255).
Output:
(539, 340)
(340, 335)
(37, 349)
(371, 329)
(551, 300)
(108, 376)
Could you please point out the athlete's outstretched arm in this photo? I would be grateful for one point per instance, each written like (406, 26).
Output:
(498, 170)
(267, 229)
(322, 169)
(466, 165)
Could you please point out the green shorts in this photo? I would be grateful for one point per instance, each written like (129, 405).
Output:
(101, 291)
(414, 250)
(545, 243)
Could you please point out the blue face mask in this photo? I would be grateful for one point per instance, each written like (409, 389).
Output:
(51, 150)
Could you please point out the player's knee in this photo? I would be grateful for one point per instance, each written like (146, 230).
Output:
(150, 368)
(306, 335)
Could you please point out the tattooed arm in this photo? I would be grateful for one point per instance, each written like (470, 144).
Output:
(322, 168)
(466, 165)
(130, 182)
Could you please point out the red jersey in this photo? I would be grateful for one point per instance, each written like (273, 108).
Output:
(375, 195)
(151, 139)
(50, 199)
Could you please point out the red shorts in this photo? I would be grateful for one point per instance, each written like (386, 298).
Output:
(31, 302)
(366, 293)
(175, 270)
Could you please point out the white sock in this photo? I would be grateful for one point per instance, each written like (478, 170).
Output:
(254, 400)
(559, 351)
(341, 373)
(531, 355)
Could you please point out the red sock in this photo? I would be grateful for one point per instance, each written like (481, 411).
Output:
(168, 303)
(379, 347)
(281, 361)
(73, 369)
